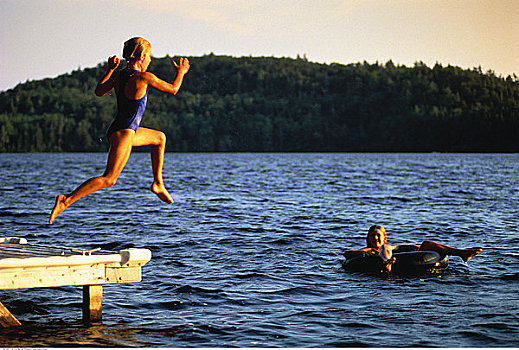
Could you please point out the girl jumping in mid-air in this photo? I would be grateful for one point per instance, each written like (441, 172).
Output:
(131, 87)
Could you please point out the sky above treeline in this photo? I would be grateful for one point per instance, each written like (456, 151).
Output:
(46, 38)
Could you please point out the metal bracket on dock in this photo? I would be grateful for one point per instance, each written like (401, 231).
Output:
(85, 252)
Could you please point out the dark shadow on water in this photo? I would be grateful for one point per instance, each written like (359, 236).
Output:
(61, 334)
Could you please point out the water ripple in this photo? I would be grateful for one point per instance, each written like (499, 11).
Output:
(250, 253)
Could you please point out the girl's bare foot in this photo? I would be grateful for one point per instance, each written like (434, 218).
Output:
(161, 192)
(470, 253)
(59, 206)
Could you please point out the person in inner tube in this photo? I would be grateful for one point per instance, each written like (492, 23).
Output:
(376, 243)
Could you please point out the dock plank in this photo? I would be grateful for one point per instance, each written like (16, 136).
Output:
(24, 265)
(54, 276)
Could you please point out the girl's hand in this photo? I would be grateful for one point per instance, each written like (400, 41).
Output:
(183, 66)
(113, 62)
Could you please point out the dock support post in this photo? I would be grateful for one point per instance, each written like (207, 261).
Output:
(6, 318)
(92, 303)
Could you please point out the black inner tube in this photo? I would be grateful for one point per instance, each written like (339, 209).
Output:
(416, 262)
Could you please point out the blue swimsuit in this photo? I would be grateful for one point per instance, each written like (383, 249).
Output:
(129, 112)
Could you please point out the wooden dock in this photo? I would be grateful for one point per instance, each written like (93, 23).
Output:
(25, 265)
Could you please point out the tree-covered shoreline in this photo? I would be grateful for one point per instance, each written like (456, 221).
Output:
(266, 104)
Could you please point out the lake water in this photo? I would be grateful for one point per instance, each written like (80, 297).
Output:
(250, 253)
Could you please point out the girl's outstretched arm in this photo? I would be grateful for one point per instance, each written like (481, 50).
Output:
(171, 88)
(107, 83)
(353, 253)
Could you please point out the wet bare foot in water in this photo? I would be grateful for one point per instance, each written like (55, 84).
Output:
(470, 253)
(59, 206)
(161, 192)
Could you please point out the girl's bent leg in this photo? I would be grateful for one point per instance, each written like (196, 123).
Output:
(157, 140)
(120, 149)
(465, 254)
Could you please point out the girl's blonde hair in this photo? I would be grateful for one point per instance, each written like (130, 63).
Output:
(136, 48)
(372, 231)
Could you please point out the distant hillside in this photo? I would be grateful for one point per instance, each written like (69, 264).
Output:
(232, 104)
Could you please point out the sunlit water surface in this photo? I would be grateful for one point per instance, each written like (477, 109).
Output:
(250, 253)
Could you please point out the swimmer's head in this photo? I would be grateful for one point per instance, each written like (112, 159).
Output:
(136, 48)
(376, 237)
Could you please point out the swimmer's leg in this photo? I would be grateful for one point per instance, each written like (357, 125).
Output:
(120, 149)
(157, 140)
(465, 254)
(469, 253)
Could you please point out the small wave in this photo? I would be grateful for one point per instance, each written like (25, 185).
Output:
(220, 200)
(352, 344)
(213, 330)
(248, 275)
(302, 217)
(510, 277)
(461, 192)
(209, 209)
(190, 289)
(20, 307)
(356, 325)
(336, 228)
(281, 291)
(251, 229)
(16, 214)
(170, 305)
(478, 336)
(401, 199)
(177, 263)
(340, 221)
(169, 331)
(280, 241)
(500, 326)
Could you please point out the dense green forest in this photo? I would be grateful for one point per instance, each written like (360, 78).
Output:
(267, 104)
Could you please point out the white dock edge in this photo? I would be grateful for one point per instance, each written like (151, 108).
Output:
(57, 271)
(89, 271)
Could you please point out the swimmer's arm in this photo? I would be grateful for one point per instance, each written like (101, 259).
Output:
(353, 253)
(107, 83)
(406, 248)
(170, 88)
